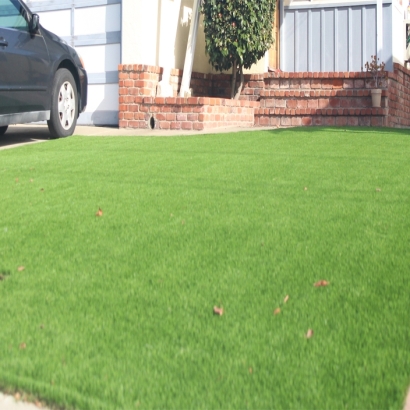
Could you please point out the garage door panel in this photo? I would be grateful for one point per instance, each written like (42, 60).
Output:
(104, 19)
(101, 58)
(59, 22)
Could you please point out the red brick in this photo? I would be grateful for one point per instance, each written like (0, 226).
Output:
(337, 83)
(302, 103)
(306, 121)
(285, 121)
(164, 125)
(186, 125)
(323, 103)
(292, 103)
(198, 126)
(312, 103)
(341, 121)
(176, 125)
(296, 121)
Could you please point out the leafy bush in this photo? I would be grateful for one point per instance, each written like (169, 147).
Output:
(237, 34)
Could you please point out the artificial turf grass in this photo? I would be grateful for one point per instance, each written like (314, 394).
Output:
(126, 300)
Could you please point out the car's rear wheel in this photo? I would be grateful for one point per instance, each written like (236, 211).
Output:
(64, 105)
(3, 130)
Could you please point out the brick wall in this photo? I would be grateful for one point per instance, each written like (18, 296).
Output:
(399, 97)
(295, 99)
(271, 99)
(139, 108)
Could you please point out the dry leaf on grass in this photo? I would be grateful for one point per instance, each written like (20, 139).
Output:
(22, 346)
(17, 180)
(321, 283)
(276, 311)
(20, 268)
(309, 334)
(305, 188)
(218, 311)
(378, 190)
(17, 396)
(99, 212)
(250, 370)
(286, 299)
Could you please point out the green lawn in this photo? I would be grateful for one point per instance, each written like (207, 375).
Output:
(116, 311)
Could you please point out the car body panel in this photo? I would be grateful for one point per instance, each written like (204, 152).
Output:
(28, 64)
(25, 74)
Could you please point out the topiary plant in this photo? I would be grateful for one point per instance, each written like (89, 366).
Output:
(237, 34)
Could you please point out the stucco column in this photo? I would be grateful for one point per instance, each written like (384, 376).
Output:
(379, 28)
(190, 51)
(168, 28)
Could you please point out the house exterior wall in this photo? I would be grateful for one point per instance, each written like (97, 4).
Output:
(155, 32)
(93, 27)
(338, 36)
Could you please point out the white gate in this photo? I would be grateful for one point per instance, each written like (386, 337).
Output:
(93, 27)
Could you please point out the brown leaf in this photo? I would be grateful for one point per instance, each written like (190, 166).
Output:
(99, 212)
(41, 189)
(31, 180)
(17, 180)
(183, 222)
(22, 346)
(321, 283)
(309, 334)
(250, 370)
(286, 299)
(378, 190)
(305, 188)
(17, 396)
(218, 311)
(276, 311)
(21, 268)
(38, 404)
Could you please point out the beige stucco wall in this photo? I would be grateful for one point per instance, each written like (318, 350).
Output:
(155, 32)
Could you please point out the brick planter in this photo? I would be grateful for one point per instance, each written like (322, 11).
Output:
(271, 99)
(186, 113)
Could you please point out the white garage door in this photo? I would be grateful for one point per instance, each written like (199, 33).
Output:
(93, 27)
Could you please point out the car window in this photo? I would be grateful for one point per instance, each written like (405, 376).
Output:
(13, 15)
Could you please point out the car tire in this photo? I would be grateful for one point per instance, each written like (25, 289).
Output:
(3, 130)
(64, 105)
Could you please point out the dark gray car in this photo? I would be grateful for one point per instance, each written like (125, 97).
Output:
(41, 76)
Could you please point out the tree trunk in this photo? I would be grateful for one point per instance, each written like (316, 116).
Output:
(238, 93)
(233, 84)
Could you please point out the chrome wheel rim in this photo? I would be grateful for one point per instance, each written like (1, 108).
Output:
(66, 105)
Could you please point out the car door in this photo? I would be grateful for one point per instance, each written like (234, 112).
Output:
(24, 62)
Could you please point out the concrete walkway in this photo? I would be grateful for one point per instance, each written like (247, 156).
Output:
(18, 135)
(10, 403)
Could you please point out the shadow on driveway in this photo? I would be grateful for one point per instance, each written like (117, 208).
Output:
(18, 135)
